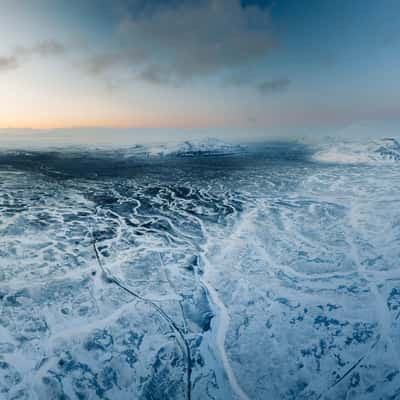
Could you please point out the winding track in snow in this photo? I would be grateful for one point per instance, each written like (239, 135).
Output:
(222, 316)
(175, 328)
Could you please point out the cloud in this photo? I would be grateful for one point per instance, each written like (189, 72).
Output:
(99, 64)
(155, 75)
(238, 79)
(44, 48)
(21, 54)
(48, 48)
(183, 40)
(8, 63)
(274, 86)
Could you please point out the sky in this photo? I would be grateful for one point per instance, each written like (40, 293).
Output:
(250, 64)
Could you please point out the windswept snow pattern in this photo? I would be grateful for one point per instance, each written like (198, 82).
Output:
(247, 276)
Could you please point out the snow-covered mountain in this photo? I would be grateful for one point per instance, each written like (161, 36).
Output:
(208, 146)
(384, 150)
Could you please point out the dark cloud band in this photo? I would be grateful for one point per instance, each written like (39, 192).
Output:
(274, 86)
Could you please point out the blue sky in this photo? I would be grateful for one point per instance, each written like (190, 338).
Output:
(264, 64)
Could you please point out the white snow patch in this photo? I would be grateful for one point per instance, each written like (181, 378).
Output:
(383, 151)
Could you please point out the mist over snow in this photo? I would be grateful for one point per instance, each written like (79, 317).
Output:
(110, 138)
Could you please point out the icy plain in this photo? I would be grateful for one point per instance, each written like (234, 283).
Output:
(224, 274)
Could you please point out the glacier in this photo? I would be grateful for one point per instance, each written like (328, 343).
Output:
(201, 270)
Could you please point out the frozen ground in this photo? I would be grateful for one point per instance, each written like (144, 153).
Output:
(229, 274)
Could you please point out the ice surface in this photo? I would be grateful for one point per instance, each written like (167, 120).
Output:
(248, 276)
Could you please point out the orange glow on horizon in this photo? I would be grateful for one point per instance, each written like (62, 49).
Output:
(150, 122)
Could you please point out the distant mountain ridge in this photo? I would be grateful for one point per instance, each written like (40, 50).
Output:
(386, 150)
(188, 148)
